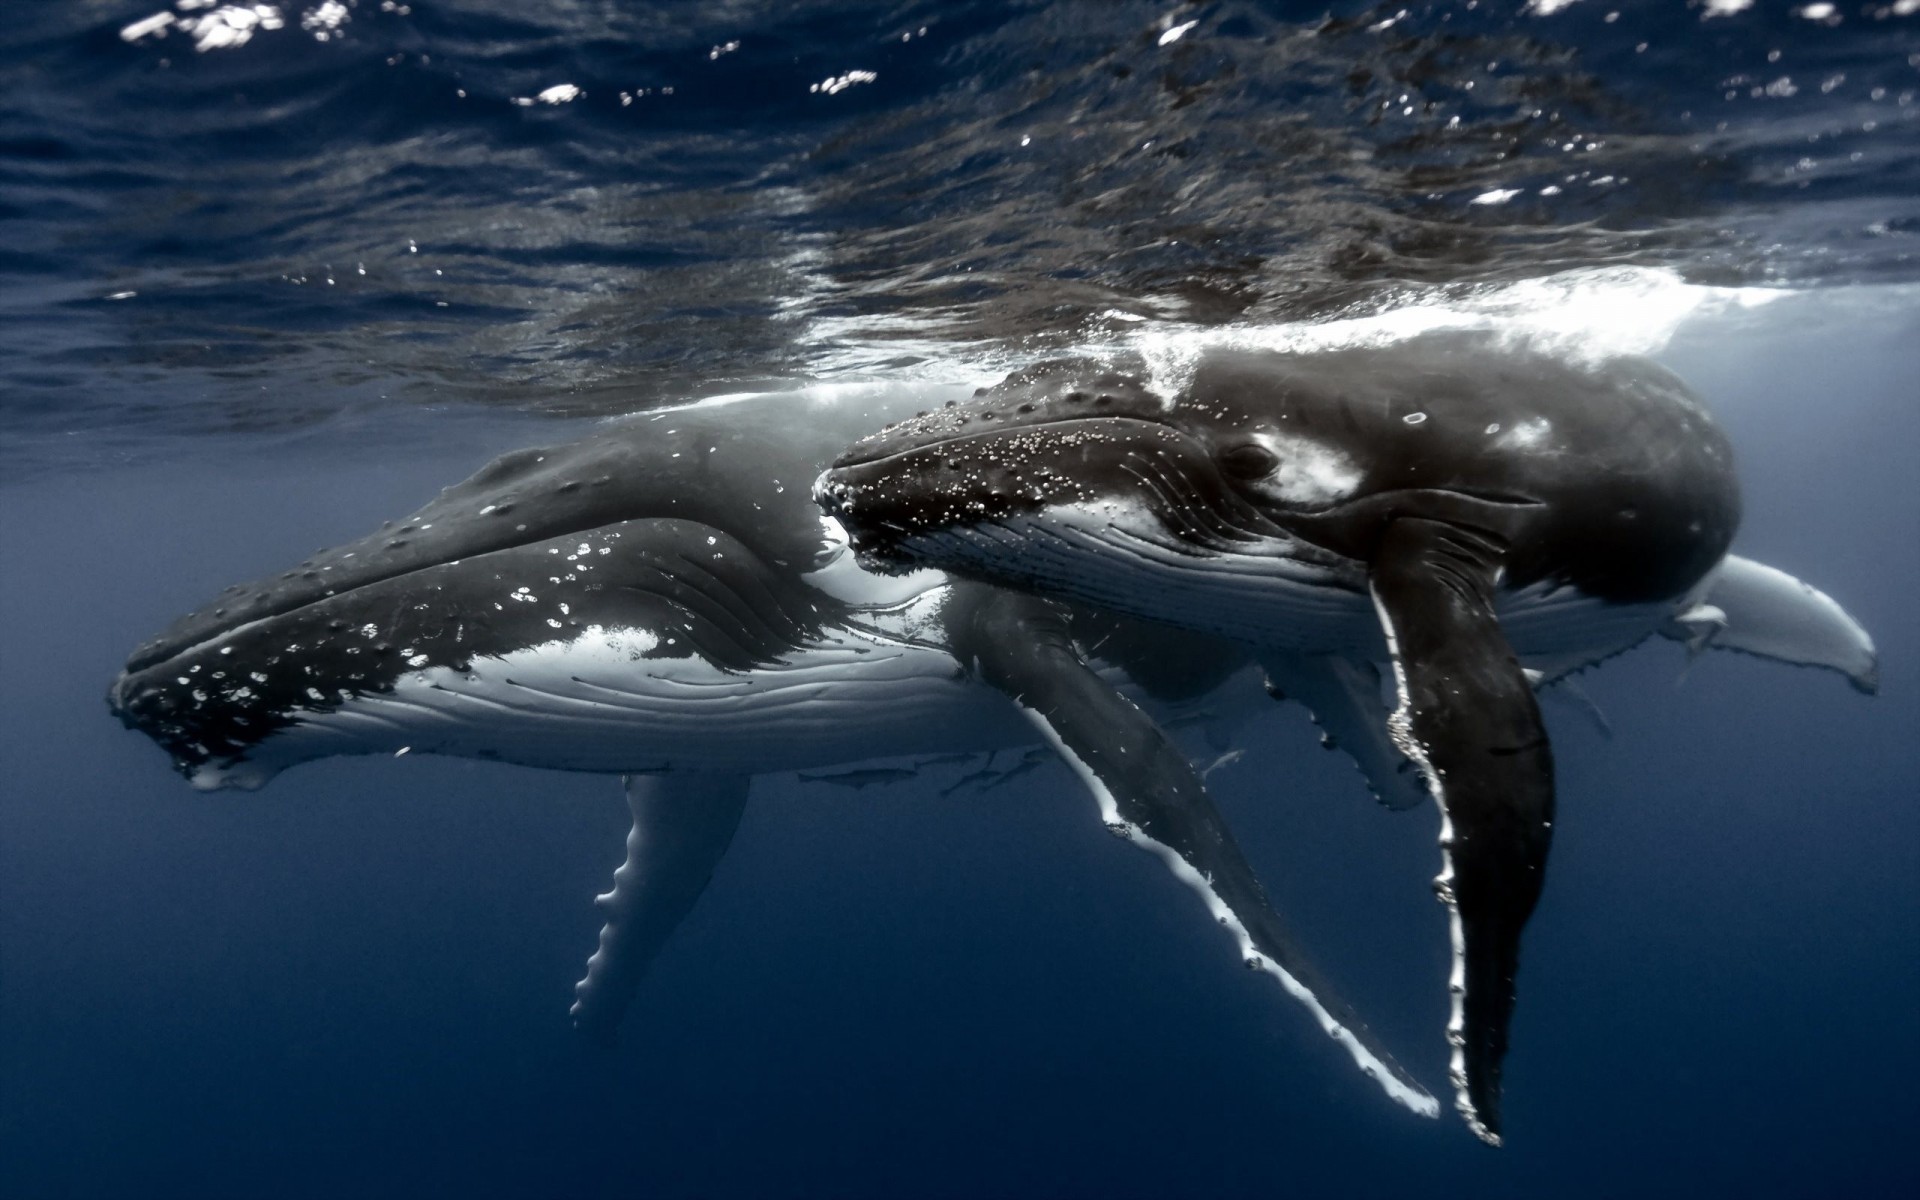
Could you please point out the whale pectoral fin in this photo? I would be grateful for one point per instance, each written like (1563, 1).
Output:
(1467, 716)
(1751, 607)
(1568, 693)
(1343, 696)
(1149, 793)
(682, 825)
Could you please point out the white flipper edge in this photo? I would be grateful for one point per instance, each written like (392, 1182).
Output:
(1392, 1080)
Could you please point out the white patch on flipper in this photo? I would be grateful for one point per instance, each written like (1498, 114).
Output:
(1400, 725)
(1409, 1097)
(1769, 613)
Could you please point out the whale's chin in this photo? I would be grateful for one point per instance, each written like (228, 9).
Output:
(1266, 591)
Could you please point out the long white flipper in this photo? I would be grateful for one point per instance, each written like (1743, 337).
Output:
(682, 825)
(1753, 608)
(1149, 793)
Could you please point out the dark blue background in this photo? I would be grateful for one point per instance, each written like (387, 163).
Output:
(355, 982)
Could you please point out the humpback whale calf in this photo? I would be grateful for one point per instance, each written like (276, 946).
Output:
(664, 600)
(1483, 517)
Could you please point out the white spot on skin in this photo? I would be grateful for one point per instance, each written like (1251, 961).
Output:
(1310, 473)
(145, 26)
(837, 84)
(1527, 434)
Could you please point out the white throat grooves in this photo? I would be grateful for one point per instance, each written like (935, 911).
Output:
(1400, 728)
(1410, 1097)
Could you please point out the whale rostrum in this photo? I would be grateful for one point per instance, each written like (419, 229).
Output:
(1482, 518)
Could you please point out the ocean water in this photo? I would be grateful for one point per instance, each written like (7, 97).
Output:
(272, 274)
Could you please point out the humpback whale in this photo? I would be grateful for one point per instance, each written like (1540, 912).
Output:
(664, 600)
(1482, 517)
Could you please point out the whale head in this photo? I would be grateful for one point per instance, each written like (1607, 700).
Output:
(543, 555)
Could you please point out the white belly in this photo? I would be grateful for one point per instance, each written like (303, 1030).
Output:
(598, 703)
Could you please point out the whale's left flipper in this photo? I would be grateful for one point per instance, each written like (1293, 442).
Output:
(1468, 718)
(1149, 793)
(682, 825)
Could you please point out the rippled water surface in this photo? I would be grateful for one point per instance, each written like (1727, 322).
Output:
(272, 273)
(225, 216)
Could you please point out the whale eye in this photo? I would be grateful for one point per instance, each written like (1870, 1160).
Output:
(1249, 460)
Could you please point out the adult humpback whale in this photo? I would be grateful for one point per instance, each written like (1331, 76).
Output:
(1483, 517)
(663, 600)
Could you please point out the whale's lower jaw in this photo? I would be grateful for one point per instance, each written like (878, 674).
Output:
(595, 703)
(1266, 596)
(1259, 598)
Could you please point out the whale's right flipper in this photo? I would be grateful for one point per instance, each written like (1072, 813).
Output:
(1751, 607)
(682, 825)
(1150, 794)
(1467, 715)
(1343, 695)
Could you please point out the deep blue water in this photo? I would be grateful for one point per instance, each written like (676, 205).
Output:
(257, 298)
